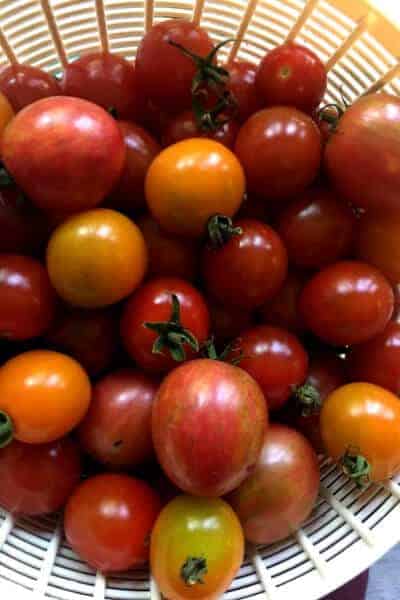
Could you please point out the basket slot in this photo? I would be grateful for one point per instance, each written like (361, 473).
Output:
(246, 18)
(198, 11)
(99, 586)
(102, 25)
(302, 18)
(53, 29)
(312, 552)
(5, 529)
(49, 560)
(263, 575)
(7, 49)
(346, 45)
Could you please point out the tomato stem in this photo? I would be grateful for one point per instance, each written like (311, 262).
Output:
(6, 429)
(209, 350)
(308, 399)
(331, 114)
(6, 179)
(194, 569)
(356, 466)
(221, 230)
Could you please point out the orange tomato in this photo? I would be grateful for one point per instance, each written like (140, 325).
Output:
(191, 181)
(96, 258)
(44, 394)
(6, 113)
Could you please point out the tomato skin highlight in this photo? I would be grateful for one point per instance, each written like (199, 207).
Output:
(24, 84)
(182, 530)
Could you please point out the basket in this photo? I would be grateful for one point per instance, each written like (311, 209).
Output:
(349, 528)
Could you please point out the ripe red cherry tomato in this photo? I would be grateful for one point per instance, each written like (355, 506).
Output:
(280, 151)
(184, 126)
(317, 229)
(228, 322)
(281, 492)
(23, 85)
(27, 300)
(347, 303)
(117, 428)
(180, 326)
(108, 521)
(249, 268)
(292, 75)
(209, 420)
(242, 84)
(38, 479)
(283, 310)
(276, 360)
(164, 73)
(377, 243)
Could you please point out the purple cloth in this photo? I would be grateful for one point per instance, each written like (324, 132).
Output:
(354, 590)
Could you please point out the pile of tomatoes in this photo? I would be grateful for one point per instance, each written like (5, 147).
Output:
(199, 271)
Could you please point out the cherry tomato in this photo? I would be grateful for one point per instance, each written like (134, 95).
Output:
(281, 492)
(23, 229)
(292, 75)
(248, 269)
(242, 84)
(24, 84)
(96, 258)
(228, 323)
(191, 181)
(6, 113)
(209, 420)
(38, 479)
(317, 229)
(363, 420)
(377, 242)
(283, 310)
(191, 559)
(347, 303)
(117, 428)
(163, 322)
(276, 360)
(108, 521)
(54, 148)
(44, 394)
(280, 150)
(169, 255)
(27, 300)
(184, 126)
(152, 117)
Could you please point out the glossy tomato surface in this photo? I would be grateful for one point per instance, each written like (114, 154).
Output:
(184, 126)
(24, 84)
(242, 84)
(283, 309)
(377, 242)
(6, 113)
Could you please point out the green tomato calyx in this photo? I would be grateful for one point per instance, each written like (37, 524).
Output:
(356, 466)
(194, 569)
(6, 430)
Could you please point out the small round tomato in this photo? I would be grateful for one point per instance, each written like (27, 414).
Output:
(38, 479)
(280, 150)
(43, 396)
(6, 113)
(377, 243)
(23, 229)
(242, 85)
(292, 75)
(165, 321)
(189, 558)
(27, 300)
(317, 229)
(360, 427)
(184, 126)
(24, 84)
(283, 310)
(108, 521)
(117, 428)
(281, 492)
(190, 182)
(246, 269)
(96, 258)
(276, 360)
(152, 117)
(228, 322)
(347, 303)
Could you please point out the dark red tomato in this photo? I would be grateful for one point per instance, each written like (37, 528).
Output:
(347, 303)
(281, 492)
(141, 149)
(276, 360)
(292, 75)
(361, 157)
(169, 255)
(184, 126)
(38, 478)
(23, 229)
(209, 420)
(108, 521)
(105, 79)
(89, 336)
(253, 208)
(317, 229)
(27, 300)
(164, 73)
(157, 349)
(283, 310)
(23, 84)
(54, 147)
(280, 151)
(152, 117)
(248, 269)
(228, 322)
(117, 429)
(242, 84)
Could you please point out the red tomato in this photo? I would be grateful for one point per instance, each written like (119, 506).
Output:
(23, 85)
(317, 229)
(281, 492)
(248, 269)
(23, 229)
(347, 303)
(108, 521)
(209, 420)
(377, 243)
(228, 322)
(283, 310)
(117, 429)
(27, 300)
(152, 117)
(292, 75)
(242, 85)
(280, 151)
(38, 479)
(184, 126)
(171, 337)
(276, 360)
(54, 147)
(164, 73)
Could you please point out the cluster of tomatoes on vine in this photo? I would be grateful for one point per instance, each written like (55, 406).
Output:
(187, 252)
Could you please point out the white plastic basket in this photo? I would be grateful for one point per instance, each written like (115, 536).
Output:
(349, 528)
